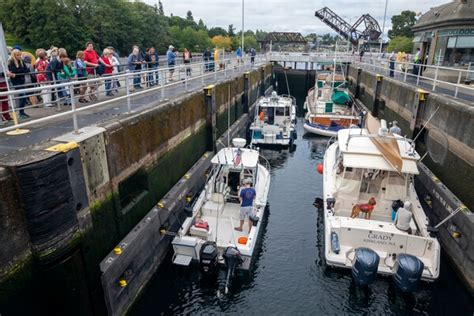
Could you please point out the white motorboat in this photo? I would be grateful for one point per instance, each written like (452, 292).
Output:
(207, 236)
(373, 163)
(275, 121)
(329, 106)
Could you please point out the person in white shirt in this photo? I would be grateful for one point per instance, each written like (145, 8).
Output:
(403, 218)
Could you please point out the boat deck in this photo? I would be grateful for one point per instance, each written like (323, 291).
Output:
(228, 218)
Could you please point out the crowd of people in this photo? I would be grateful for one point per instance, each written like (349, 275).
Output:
(54, 66)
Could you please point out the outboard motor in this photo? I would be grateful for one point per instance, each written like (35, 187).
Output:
(232, 258)
(408, 272)
(208, 257)
(365, 266)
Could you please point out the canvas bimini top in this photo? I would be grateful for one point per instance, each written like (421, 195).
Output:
(236, 157)
(361, 152)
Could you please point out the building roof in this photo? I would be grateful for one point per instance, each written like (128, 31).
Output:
(455, 13)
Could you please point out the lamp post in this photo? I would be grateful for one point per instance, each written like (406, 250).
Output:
(383, 26)
(243, 28)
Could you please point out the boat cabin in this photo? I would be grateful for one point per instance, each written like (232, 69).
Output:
(274, 110)
(362, 173)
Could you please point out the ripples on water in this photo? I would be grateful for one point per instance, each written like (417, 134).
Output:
(290, 276)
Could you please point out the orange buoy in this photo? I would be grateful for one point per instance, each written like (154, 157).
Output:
(242, 240)
(320, 168)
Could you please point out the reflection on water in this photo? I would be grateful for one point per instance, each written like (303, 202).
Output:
(290, 276)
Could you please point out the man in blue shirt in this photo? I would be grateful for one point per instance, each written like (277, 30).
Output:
(171, 59)
(246, 197)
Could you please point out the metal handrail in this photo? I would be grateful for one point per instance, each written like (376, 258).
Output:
(69, 86)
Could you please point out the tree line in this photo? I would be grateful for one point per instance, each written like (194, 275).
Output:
(118, 23)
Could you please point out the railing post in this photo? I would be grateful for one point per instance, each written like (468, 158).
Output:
(186, 79)
(215, 72)
(418, 76)
(225, 67)
(405, 75)
(162, 83)
(73, 108)
(127, 90)
(435, 78)
(56, 92)
(202, 73)
(457, 85)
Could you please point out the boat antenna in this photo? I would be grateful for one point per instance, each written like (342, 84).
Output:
(287, 85)
(335, 65)
(228, 120)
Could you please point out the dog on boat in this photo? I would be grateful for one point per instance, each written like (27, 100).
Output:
(365, 208)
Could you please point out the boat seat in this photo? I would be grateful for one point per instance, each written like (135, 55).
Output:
(198, 232)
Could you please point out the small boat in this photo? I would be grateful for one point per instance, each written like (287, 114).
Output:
(275, 121)
(329, 106)
(375, 167)
(208, 235)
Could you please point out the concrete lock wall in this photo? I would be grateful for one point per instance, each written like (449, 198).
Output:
(121, 169)
(448, 137)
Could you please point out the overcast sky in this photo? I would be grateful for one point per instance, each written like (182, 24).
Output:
(288, 15)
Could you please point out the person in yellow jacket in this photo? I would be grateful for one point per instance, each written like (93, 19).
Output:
(216, 58)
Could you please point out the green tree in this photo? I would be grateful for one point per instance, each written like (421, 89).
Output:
(230, 30)
(161, 11)
(400, 44)
(189, 16)
(402, 24)
(201, 25)
(215, 31)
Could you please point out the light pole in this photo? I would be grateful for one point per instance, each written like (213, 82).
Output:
(383, 26)
(243, 28)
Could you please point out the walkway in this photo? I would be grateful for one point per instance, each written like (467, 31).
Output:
(116, 107)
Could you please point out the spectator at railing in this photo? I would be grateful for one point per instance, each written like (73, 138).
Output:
(81, 70)
(55, 66)
(30, 80)
(187, 61)
(67, 73)
(152, 61)
(115, 60)
(206, 56)
(41, 77)
(107, 56)
(92, 60)
(18, 69)
(135, 65)
(171, 59)
(253, 53)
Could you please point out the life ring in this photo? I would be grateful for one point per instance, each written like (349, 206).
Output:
(242, 240)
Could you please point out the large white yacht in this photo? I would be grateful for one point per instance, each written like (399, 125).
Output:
(208, 235)
(373, 163)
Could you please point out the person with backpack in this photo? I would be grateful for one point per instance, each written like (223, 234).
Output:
(67, 73)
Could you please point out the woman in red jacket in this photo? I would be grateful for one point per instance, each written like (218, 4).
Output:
(108, 68)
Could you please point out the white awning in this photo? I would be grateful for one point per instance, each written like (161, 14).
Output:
(229, 156)
(377, 162)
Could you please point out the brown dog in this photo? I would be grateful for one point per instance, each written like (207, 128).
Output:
(365, 208)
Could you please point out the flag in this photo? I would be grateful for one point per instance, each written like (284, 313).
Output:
(238, 157)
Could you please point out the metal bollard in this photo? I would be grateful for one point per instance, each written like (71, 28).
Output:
(127, 90)
(73, 109)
